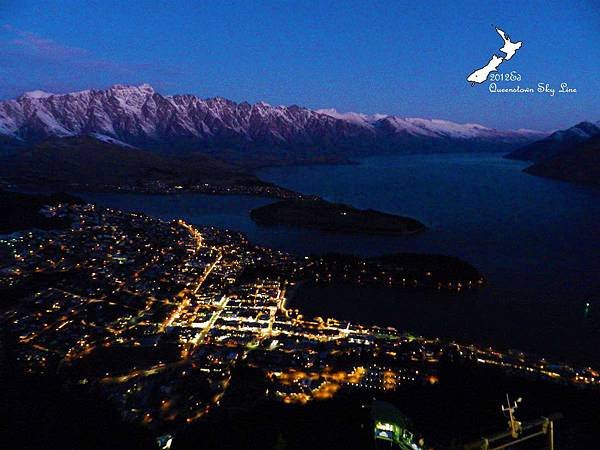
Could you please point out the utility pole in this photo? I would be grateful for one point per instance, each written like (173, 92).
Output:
(551, 435)
(517, 432)
(514, 425)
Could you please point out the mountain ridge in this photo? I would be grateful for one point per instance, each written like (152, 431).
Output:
(254, 134)
(572, 154)
(556, 143)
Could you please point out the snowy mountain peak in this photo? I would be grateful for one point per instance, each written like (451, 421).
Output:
(37, 94)
(124, 90)
(357, 118)
(145, 87)
(130, 87)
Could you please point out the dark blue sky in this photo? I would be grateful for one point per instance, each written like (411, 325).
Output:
(409, 58)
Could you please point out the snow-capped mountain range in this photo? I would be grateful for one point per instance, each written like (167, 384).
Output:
(139, 116)
(432, 128)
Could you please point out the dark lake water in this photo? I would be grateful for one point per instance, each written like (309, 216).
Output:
(537, 242)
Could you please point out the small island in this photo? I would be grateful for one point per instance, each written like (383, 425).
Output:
(336, 217)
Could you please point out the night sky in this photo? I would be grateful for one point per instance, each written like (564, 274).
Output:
(409, 58)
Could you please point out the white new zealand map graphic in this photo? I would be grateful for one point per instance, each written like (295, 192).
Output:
(509, 49)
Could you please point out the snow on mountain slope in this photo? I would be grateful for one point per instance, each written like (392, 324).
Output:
(37, 94)
(141, 117)
(357, 118)
(110, 140)
(433, 128)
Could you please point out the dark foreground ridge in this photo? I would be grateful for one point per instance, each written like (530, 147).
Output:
(325, 216)
(20, 211)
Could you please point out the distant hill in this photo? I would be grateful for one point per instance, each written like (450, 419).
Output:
(581, 164)
(88, 162)
(569, 155)
(558, 142)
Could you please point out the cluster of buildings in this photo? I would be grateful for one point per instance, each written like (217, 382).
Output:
(257, 189)
(157, 315)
